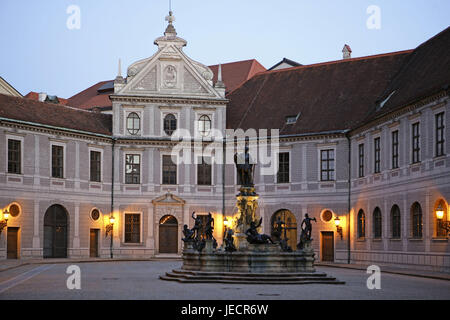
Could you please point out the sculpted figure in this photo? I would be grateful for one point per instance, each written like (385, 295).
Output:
(253, 237)
(245, 168)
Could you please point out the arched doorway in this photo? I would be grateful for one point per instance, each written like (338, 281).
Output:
(55, 232)
(168, 235)
(289, 230)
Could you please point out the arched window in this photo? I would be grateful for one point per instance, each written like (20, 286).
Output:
(416, 220)
(440, 231)
(396, 222)
(204, 125)
(170, 124)
(361, 224)
(133, 123)
(377, 225)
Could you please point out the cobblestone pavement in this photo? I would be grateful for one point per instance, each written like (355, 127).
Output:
(140, 280)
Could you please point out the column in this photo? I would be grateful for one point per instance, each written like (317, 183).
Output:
(36, 239)
(150, 234)
(36, 161)
(76, 236)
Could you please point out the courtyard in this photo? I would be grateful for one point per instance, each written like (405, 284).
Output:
(139, 280)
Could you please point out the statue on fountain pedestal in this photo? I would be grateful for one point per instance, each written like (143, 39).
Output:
(245, 169)
(253, 237)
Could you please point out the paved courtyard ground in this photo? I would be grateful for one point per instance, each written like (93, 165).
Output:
(140, 280)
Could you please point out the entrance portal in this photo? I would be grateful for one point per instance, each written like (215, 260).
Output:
(55, 232)
(168, 235)
(327, 246)
(12, 243)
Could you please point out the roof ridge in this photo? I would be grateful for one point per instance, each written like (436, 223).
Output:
(338, 61)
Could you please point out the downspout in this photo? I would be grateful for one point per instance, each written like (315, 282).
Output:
(223, 184)
(349, 192)
(112, 194)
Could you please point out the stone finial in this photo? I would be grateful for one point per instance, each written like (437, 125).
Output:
(170, 30)
(220, 86)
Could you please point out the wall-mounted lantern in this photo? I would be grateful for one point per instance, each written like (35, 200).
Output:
(4, 222)
(110, 226)
(440, 217)
(337, 222)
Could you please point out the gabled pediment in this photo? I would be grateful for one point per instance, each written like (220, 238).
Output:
(168, 199)
(169, 72)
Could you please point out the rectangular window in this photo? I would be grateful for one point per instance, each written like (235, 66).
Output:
(204, 172)
(57, 162)
(132, 228)
(327, 165)
(395, 149)
(440, 140)
(96, 160)
(377, 160)
(14, 156)
(132, 169)
(169, 171)
(361, 160)
(415, 143)
(283, 167)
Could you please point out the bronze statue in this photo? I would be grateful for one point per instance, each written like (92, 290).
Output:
(229, 241)
(197, 226)
(188, 234)
(209, 227)
(306, 232)
(245, 168)
(284, 245)
(253, 237)
(277, 229)
(308, 226)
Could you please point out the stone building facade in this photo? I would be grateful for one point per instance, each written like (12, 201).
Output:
(64, 171)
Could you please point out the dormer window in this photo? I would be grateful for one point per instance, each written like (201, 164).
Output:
(133, 123)
(292, 119)
(204, 125)
(170, 124)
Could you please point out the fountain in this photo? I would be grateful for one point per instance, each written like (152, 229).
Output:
(246, 256)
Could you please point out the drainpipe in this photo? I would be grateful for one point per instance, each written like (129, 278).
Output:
(223, 185)
(349, 192)
(112, 195)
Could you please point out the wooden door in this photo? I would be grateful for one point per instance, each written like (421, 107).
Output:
(327, 246)
(93, 240)
(168, 240)
(12, 243)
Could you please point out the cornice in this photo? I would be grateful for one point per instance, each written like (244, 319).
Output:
(174, 100)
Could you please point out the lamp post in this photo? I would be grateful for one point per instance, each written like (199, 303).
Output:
(110, 229)
(337, 222)
(4, 222)
(440, 217)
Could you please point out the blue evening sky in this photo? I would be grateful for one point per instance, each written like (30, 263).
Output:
(39, 53)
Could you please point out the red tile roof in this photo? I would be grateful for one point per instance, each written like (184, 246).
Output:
(235, 73)
(35, 96)
(56, 115)
(91, 97)
(328, 96)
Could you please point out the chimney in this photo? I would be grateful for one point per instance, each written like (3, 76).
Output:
(42, 96)
(347, 52)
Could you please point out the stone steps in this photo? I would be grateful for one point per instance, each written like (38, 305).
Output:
(185, 276)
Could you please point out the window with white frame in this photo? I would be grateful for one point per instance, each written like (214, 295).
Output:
(132, 168)
(133, 123)
(14, 156)
(57, 161)
(204, 125)
(440, 140)
(132, 232)
(327, 165)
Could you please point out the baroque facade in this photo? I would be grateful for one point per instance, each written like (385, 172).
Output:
(364, 140)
